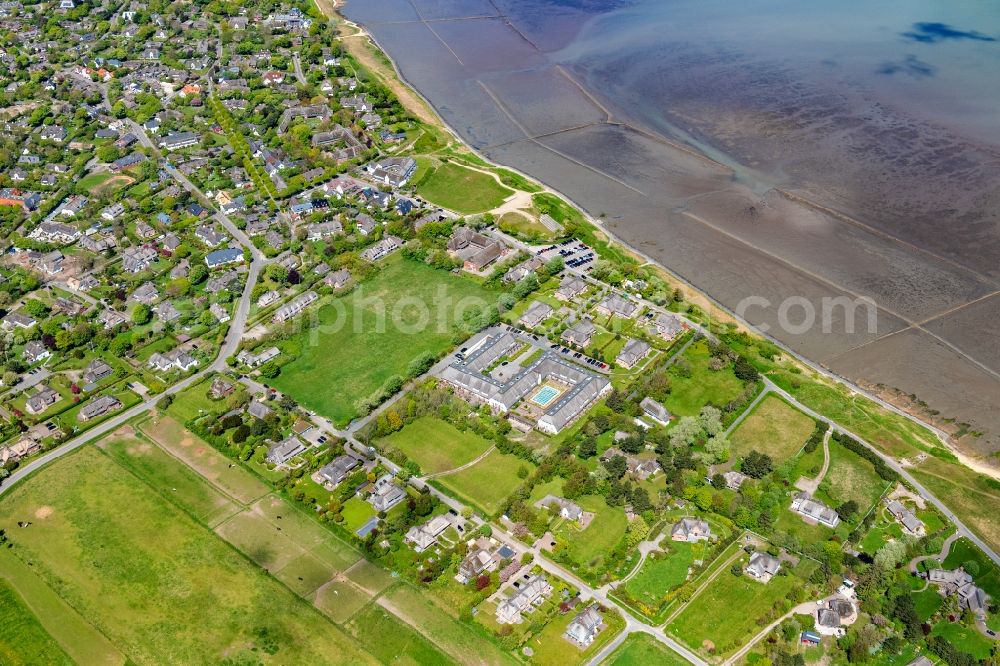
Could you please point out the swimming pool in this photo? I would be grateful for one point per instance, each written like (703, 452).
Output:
(545, 395)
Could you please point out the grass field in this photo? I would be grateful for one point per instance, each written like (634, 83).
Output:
(142, 571)
(436, 445)
(725, 614)
(588, 547)
(487, 483)
(520, 224)
(333, 371)
(23, 640)
(462, 190)
(197, 454)
(464, 644)
(850, 477)
(161, 470)
(661, 574)
(95, 183)
(643, 650)
(971, 496)
(391, 641)
(774, 428)
(704, 386)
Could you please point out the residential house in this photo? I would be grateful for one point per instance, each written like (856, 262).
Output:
(532, 590)
(570, 288)
(259, 410)
(285, 450)
(580, 334)
(425, 536)
(338, 279)
(221, 388)
(814, 510)
(219, 312)
(268, 298)
(99, 407)
(482, 557)
(209, 235)
(43, 398)
(476, 250)
(906, 517)
(97, 370)
(585, 626)
(338, 469)
(655, 410)
(218, 258)
(256, 360)
(668, 326)
(293, 308)
(734, 479)
(392, 171)
(137, 259)
(383, 248)
(763, 566)
(386, 494)
(960, 583)
(691, 530)
(112, 318)
(146, 294)
(35, 351)
(174, 359)
(17, 320)
(179, 140)
(321, 230)
(618, 306)
(113, 212)
(522, 270)
(536, 313)
(166, 312)
(634, 351)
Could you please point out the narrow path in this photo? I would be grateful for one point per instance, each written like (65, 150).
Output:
(705, 583)
(942, 556)
(746, 412)
(461, 468)
(810, 485)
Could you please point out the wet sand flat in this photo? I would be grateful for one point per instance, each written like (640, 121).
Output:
(747, 175)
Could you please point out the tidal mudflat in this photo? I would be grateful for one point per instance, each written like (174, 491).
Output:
(765, 151)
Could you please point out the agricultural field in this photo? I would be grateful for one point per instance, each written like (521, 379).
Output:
(436, 445)
(774, 427)
(487, 483)
(460, 189)
(703, 385)
(725, 614)
(463, 643)
(331, 373)
(161, 470)
(197, 454)
(974, 498)
(23, 640)
(111, 544)
(391, 641)
(643, 650)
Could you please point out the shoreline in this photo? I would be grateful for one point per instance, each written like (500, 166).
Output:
(713, 308)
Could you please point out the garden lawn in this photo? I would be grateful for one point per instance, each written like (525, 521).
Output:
(661, 574)
(987, 575)
(356, 513)
(436, 445)
(140, 570)
(460, 189)
(644, 650)
(775, 428)
(553, 649)
(335, 368)
(927, 602)
(726, 612)
(966, 639)
(23, 640)
(704, 386)
(487, 483)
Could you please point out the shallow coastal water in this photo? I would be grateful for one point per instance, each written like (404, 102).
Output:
(765, 149)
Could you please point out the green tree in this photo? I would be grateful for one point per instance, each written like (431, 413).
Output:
(142, 314)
